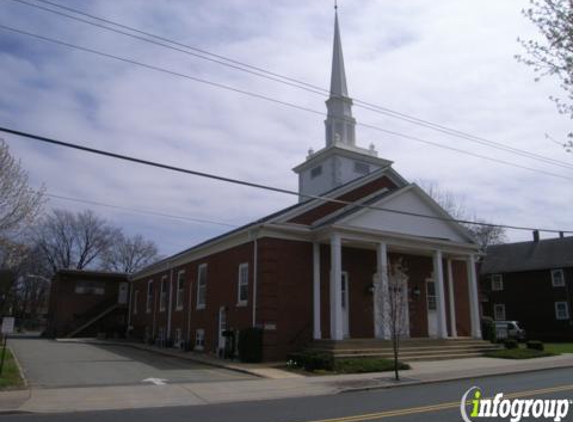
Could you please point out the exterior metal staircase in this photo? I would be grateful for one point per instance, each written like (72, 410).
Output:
(93, 316)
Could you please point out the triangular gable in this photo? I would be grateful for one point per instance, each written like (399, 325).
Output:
(410, 199)
(356, 190)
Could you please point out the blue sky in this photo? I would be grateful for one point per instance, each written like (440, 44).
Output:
(448, 62)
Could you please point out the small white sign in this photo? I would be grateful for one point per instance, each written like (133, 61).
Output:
(7, 325)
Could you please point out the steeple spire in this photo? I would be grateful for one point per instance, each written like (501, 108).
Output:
(338, 76)
(339, 121)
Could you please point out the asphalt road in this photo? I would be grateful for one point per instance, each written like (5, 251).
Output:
(49, 364)
(431, 402)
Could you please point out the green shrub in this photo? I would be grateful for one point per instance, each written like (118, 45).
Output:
(535, 345)
(510, 343)
(251, 345)
(310, 361)
(518, 354)
(488, 329)
(358, 365)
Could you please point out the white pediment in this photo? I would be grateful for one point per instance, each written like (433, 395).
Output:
(412, 200)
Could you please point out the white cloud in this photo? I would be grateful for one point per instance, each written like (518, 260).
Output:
(449, 62)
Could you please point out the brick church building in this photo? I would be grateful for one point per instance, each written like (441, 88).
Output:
(319, 269)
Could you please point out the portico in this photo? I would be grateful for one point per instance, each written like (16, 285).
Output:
(449, 285)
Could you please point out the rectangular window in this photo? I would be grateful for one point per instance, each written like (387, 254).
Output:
(243, 286)
(557, 278)
(149, 296)
(315, 172)
(88, 287)
(561, 310)
(135, 300)
(499, 312)
(361, 168)
(496, 283)
(180, 289)
(202, 286)
(163, 294)
(199, 339)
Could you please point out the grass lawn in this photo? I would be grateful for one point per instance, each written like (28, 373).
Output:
(10, 377)
(519, 353)
(559, 347)
(359, 365)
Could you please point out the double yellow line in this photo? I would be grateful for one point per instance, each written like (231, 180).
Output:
(440, 406)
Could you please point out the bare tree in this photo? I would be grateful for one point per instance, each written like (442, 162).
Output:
(553, 54)
(69, 240)
(396, 312)
(19, 204)
(129, 254)
(484, 234)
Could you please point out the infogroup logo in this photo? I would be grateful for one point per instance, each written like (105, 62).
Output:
(513, 409)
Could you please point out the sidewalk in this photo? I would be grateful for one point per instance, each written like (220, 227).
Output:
(277, 384)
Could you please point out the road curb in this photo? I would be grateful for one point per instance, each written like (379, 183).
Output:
(443, 380)
(22, 374)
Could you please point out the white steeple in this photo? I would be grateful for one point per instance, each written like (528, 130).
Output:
(339, 122)
(341, 160)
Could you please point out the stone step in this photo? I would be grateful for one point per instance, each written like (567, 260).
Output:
(410, 354)
(344, 345)
(408, 348)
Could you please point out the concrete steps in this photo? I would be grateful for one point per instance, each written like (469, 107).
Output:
(410, 349)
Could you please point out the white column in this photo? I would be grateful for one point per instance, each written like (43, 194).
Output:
(474, 299)
(316, 291)
(440, 297)
(380, 294)
(336, 332)
(453, 329)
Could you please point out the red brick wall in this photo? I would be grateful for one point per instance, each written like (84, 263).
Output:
(222, 290)
(529, 297)
(285, 295)
(67, 307)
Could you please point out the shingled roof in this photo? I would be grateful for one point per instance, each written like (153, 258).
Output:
(526, 256)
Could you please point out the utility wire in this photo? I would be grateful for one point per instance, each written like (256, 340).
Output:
(260, 186)
(276, 101)
(257, 71)
(140, 211)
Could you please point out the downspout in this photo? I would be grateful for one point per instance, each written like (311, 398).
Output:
(129, 309)
(255, 277)
(170, 299)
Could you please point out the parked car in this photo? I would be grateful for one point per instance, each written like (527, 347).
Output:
(509, 329)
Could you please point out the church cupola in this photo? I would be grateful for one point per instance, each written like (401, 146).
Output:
(341, 160)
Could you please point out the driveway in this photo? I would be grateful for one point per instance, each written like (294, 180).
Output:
(49, 364)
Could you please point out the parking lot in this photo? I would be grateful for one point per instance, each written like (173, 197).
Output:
(50, 364)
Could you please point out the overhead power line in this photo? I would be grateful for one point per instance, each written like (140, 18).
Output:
(140, 210)
(276, 77)
(276, 101)
(234, 181)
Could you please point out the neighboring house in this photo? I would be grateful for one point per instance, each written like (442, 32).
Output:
(87, 303)
(531, 282)
(319, 270)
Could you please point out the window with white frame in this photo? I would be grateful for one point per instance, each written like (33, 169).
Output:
(243, 285)
(149, 296)
(202, 286)
(315, 172)
(561, 310)
(163, 294)
(496, 283)
(199, 339)
(90, 287)
(557, 278)
(180, 290)
(135, 301)
(499, 311)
